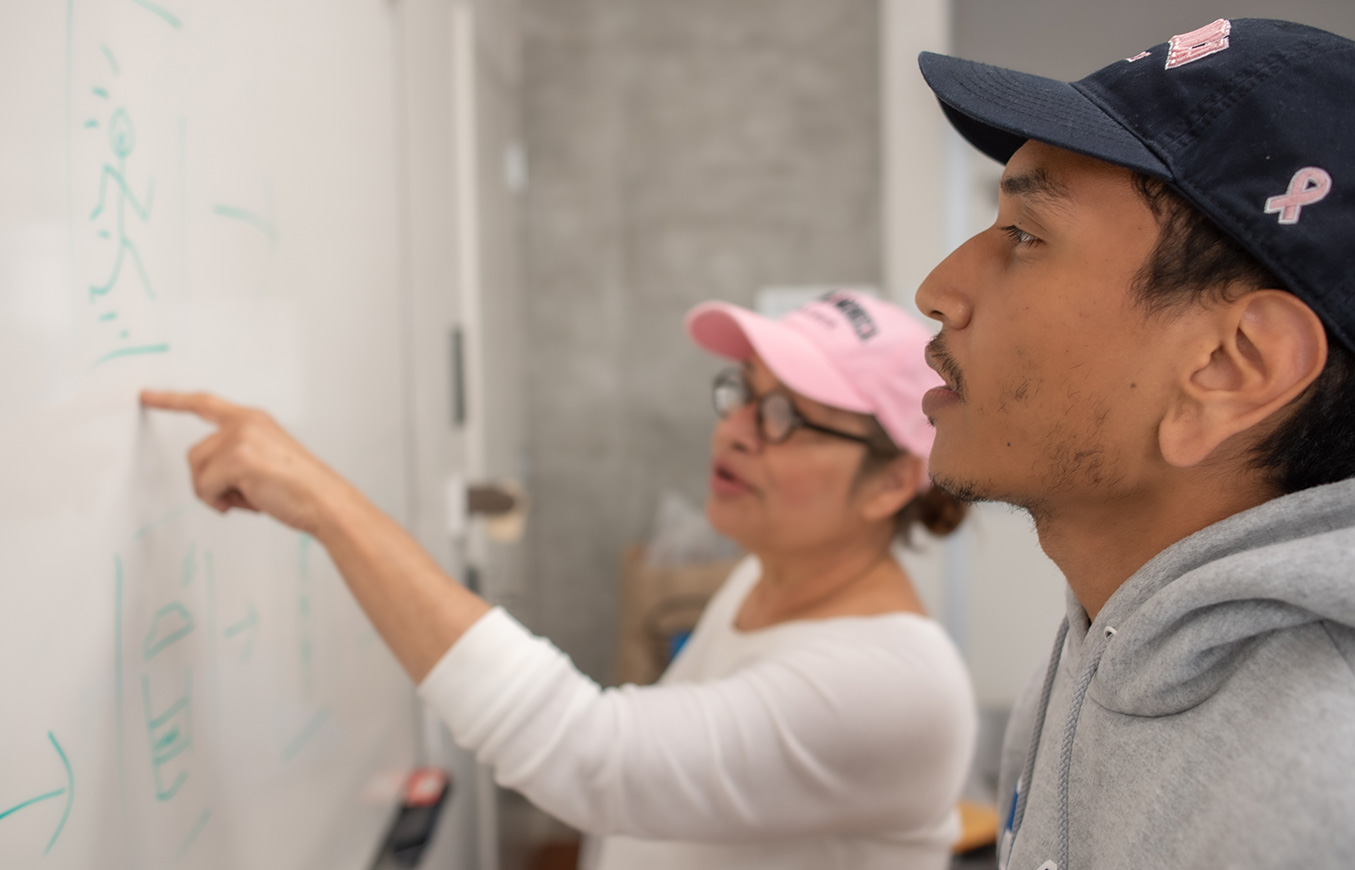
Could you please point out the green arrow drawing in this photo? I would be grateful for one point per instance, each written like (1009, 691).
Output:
(68, 791)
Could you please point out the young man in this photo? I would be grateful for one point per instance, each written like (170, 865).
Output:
(1151, 352)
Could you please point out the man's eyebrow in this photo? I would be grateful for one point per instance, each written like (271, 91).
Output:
(1036, 184)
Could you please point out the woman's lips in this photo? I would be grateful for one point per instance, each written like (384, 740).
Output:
(724, 481)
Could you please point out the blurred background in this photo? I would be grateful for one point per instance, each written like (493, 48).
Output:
(672, 152)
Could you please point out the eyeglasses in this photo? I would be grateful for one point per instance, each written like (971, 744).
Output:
(777, 418)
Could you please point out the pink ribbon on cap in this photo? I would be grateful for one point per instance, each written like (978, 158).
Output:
(1309, 185)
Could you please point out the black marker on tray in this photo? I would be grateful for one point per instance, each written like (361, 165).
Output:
(425, 792)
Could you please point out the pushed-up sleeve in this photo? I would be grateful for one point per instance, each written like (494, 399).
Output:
(838, 737)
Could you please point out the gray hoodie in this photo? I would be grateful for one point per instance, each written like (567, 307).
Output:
(1206, 718)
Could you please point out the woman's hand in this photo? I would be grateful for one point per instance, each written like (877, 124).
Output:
(250, 462)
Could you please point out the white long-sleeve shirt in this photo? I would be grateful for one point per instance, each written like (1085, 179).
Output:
(833, 743)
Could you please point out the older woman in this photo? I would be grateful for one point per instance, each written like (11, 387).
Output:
(816, 718)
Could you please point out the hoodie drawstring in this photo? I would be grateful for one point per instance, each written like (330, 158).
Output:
(1069, 730)
(1066, 753)
(1028, 771)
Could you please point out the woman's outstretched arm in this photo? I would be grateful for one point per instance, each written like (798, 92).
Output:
(251, 463)
(837, 737)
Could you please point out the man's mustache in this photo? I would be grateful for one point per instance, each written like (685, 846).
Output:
(945, 364)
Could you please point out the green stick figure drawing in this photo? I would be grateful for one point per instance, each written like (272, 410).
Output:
(122, 138)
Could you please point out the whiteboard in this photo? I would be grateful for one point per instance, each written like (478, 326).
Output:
(194, 194)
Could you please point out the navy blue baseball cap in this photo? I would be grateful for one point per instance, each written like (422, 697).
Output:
(1251, 120)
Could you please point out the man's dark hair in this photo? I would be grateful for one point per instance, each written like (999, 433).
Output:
(1194, 261)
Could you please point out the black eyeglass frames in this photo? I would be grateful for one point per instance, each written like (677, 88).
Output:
(777, 418)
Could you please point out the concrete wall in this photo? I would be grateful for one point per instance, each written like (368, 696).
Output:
(678, 150)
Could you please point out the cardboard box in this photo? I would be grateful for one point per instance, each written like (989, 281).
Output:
(658, 603)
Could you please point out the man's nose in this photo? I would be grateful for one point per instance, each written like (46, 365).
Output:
(942, 295)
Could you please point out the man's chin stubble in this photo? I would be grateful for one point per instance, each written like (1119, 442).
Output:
(972, 492)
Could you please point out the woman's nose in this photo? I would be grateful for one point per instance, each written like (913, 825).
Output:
(739, 429)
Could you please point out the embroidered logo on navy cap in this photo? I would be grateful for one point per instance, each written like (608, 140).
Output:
(1309, 185)
(1198, 44)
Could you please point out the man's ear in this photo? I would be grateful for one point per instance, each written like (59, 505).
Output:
(1267, 347)
(893, 487)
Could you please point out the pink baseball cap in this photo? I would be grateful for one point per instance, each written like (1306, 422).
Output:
(847, 350)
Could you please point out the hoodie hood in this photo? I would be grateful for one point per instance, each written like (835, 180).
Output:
(1175, 632)
(1178, 627)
